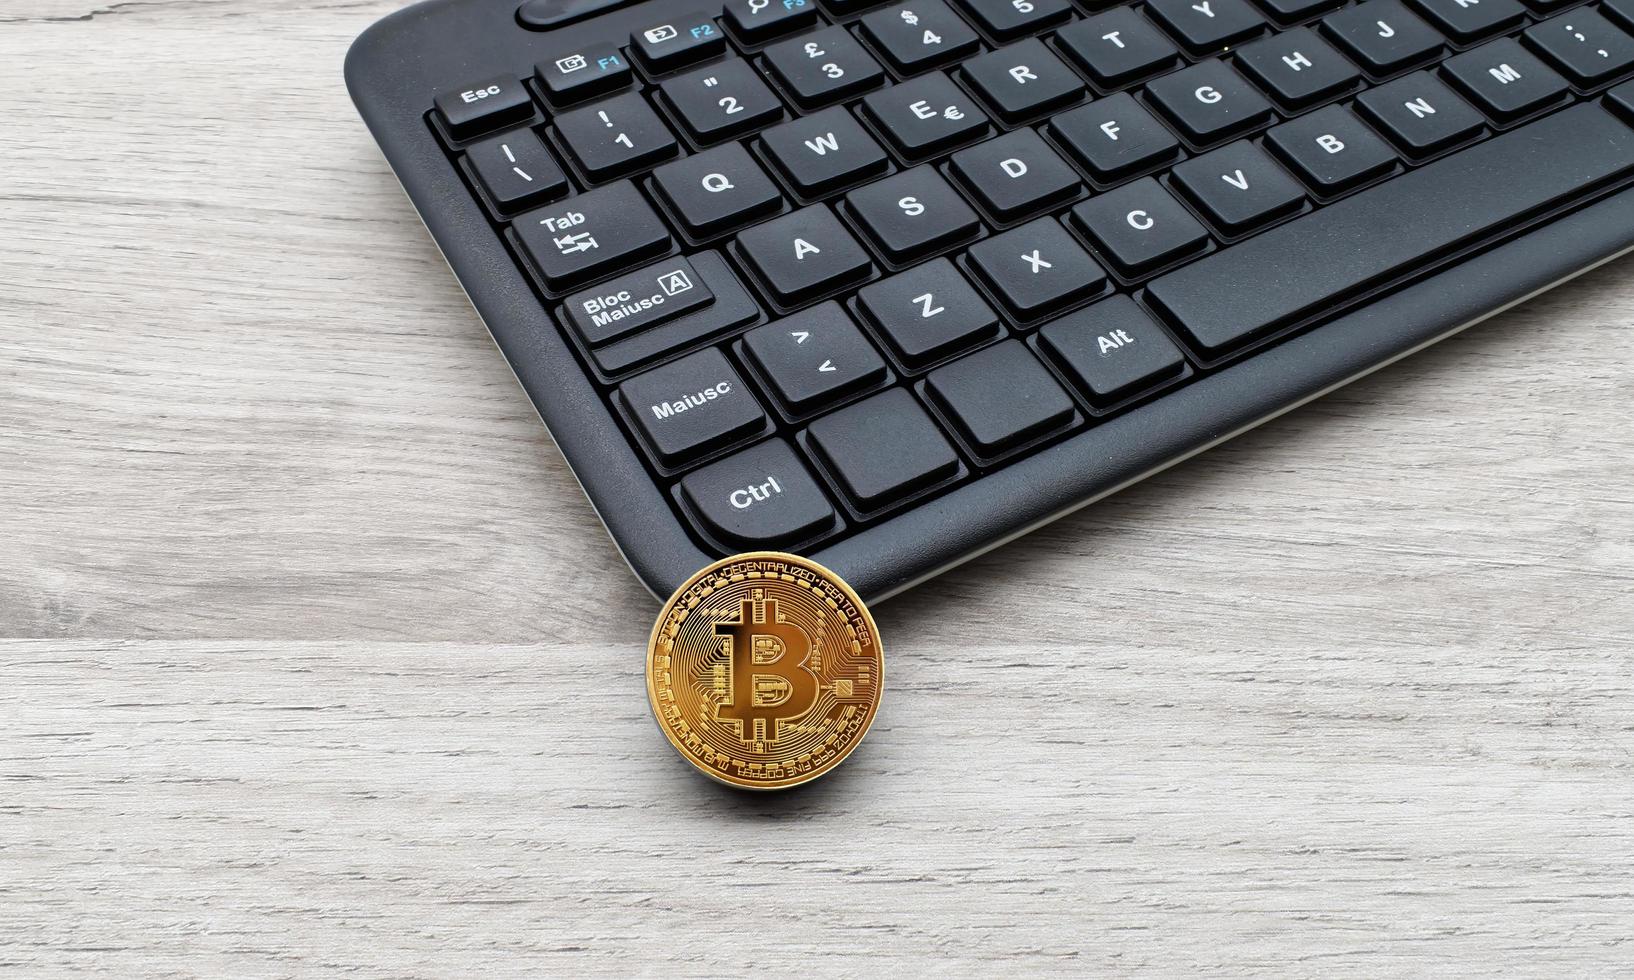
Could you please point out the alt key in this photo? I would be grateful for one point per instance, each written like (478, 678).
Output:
(762, 496)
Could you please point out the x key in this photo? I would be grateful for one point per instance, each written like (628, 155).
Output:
(1037, 268)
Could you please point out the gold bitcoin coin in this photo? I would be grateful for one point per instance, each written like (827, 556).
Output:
(764, 670)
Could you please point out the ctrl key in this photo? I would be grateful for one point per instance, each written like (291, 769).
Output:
(692, 406)
(763, 496)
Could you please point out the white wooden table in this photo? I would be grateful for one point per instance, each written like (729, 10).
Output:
(316, 660)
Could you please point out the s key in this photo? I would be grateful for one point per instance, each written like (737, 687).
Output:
(913, 214)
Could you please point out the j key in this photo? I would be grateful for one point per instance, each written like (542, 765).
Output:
(803, 255)
(1139, 227)
(574, 76)
(1210, 102)
(1504, 79)
(929, 312)
(638, 301)
(1117, 47)
(1331, 149)
(1383, 36)
(1419, 114)
(723, 101)
(692, 406)
(883, 448)
(1009, 19)
(824, 152)
(920, 35)
(1023, 80)
(1037, 268)
(814, 357)
(1000, 397)
(1584, 45)
(1297, 68)
(913, 214)
(1238, 186)
(1208, 26)
(617, 137)
(1015, 175)
(592, 235)
(1465, 21)
(762, 496)
(1309, 263)
(1115, 137)
(924, 116)
(680, 41)
(516, 170)
(718, 190)
(825, 67)
(757, 21)
(486, 105)
(1112, 350)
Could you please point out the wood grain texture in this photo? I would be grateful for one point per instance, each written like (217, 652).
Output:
(319, 661)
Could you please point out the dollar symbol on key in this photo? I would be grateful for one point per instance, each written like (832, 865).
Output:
(771, 681)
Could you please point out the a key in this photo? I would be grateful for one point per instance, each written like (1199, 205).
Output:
(717, 191)
(1112, 350)
(1419, 114)
(1584, 45)
(1297, 68)
(516, 170)
(814, 357)
(1331, 149)
(1210, 102)
(1504, 79)
(920, 35)
(592, 235)
(1036, 268)
(761, 497)
(758, 21)
(925, 116)
(824, 152)
(804, 255)
(1115, 137)
(1000, 397)
(616, 138)
(1008, 20)
(1117, 47)
(1208, 26)
(637, 301)
(1383, 35)
(689, 408)
(574, 76)
(883, 448)
(824, 67)
(1139, 227)
(1023, 80)
(913, 214)
(1238, 186)
(678, 41)
(721, 102)
(1015, 175)
(929, 312)
(1306, 265)
(487, 105)
(1466, 21)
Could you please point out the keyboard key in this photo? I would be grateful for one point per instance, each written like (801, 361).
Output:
(913, 214)
(637, 301)
(691, 407)
(1117, 47)
(616, 138)
(1037, 268)
(929, 312)
(1297, 68)
(824, 152)
(1112, 350)
(1584, 45)
(1238, 186)
(733, 308)
(723, 101)
(594, 234)
(1306, 265)
(1000, 397)
(677, 42)
(1471, 20)
(758, 21)
(1419, 114)
(718, 190)
(804, 255)
(1621, 99)
(883, 448)
(1008, 20)
(1139, 227)
(1292, 11)
(920, 35)
(1015, 175)
(1622, 11)
(574, 76)
(1331, 149)
(1115, 137)
(1383, 36)
(1023, 80)
(516, 170)
(1208, 26)
(815, 357)
(1210, 102)
(823, 68)
(1505, 80)
(484, 106)
(925, 116)
(760, 497)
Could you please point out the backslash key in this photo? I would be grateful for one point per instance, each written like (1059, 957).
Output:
(592, 235)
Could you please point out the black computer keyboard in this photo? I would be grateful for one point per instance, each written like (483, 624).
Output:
(887, 284)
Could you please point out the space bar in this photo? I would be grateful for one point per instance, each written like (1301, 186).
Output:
(1310, 263)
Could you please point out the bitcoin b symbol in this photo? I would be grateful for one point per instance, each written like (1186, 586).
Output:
(770, 679)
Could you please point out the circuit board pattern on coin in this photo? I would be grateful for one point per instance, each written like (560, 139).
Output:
(764, 671)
